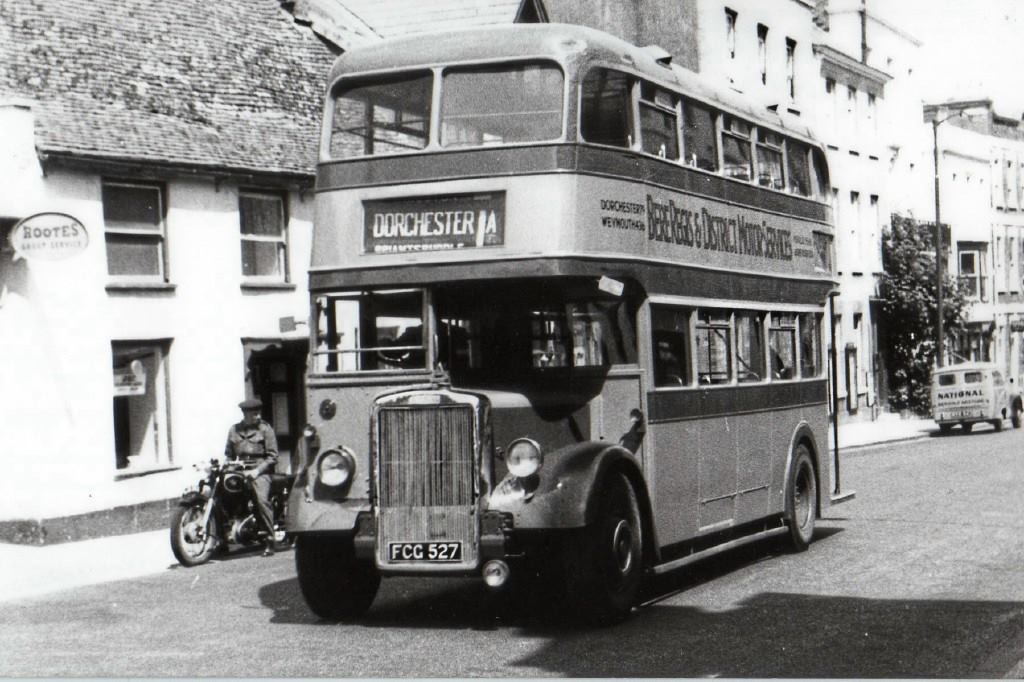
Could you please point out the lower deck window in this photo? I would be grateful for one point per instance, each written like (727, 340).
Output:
(713, 347)
(361, 331)
(782, 345)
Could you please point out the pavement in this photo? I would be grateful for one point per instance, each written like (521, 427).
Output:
(33, 570)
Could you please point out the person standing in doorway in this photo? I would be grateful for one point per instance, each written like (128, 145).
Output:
(252, 441)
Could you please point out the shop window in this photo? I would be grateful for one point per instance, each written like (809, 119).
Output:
(263, 220)
(133, 217)
(141, 440)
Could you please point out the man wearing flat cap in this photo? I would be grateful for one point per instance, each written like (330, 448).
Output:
(252, 440)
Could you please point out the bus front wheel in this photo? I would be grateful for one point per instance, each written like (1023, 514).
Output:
(335, 585)
(801, 499)
(603, 563)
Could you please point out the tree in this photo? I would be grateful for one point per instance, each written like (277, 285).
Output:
(908, 311)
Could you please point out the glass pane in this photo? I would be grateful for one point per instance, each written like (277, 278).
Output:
(810, 345)
(262, 216)
(749, 347)
(670, 339)
(658, 131)
(370, 331)
(262, 259)
(769, 167)
(947, 379)
(133, 255)
(799, 172)
(699, 136)
(606, 101)
(388, 117)
(713, 349)
(501, 105)
(130, 206)
(782, 347)
(736, 155)
(972, 377)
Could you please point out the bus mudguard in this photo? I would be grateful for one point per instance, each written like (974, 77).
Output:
(306, 514)
(564, 491)
(801, 433)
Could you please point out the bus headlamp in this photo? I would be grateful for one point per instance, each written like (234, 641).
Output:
(524, 457)
(337, 467)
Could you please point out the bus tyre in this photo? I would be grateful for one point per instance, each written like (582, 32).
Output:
(801, 499)
(334, 584)
(603, 563)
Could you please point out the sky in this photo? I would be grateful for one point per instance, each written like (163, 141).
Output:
(971, 48)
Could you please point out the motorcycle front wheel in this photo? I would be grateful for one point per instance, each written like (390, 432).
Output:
(191, 543)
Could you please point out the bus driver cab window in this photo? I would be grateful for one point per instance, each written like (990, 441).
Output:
(669, 334)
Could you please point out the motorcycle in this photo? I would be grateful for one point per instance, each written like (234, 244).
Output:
(221, 510)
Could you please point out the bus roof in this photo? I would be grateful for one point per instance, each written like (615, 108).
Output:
(565, 43)
(972, 366)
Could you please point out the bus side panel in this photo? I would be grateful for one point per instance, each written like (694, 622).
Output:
(674, 446)
(755, 450)
(717, 472)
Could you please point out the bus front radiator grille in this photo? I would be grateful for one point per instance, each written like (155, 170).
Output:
(426, 473)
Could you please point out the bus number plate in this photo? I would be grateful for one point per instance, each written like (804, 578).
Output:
(439, 552)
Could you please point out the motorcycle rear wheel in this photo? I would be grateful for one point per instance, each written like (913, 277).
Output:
(191, 544)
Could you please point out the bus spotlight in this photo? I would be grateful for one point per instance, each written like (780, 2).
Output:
(496, 573)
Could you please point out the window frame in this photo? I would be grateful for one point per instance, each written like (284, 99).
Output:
(652, 104)
(283, 241)
(747, 139)
(153, 237)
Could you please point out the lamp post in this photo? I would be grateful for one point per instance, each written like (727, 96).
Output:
(940, 323)
(939, 274)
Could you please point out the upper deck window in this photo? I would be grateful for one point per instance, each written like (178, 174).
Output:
(659, 122)
(388, 116)
(604, 118)
(501, 105)
(736, 148)
(699, 145)
(798, 164)
(769, 160)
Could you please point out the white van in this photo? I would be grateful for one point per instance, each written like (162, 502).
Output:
(971, 393)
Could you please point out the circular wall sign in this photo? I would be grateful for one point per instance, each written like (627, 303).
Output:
(49, 236)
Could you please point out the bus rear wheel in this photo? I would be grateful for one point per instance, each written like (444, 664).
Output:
(335, 585)
(801, 499)
(603, 563)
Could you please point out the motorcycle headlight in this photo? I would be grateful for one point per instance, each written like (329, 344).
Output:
(524, 458)
(234, 483)
(337, 467)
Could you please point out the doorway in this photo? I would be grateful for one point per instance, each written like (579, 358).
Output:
(276, 374)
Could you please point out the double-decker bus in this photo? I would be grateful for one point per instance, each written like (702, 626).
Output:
(567, 320)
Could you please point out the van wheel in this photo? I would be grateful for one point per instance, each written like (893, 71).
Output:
(967, 426)
(945, 429)
(997, 424)
(801, 499)
(1015, 416)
